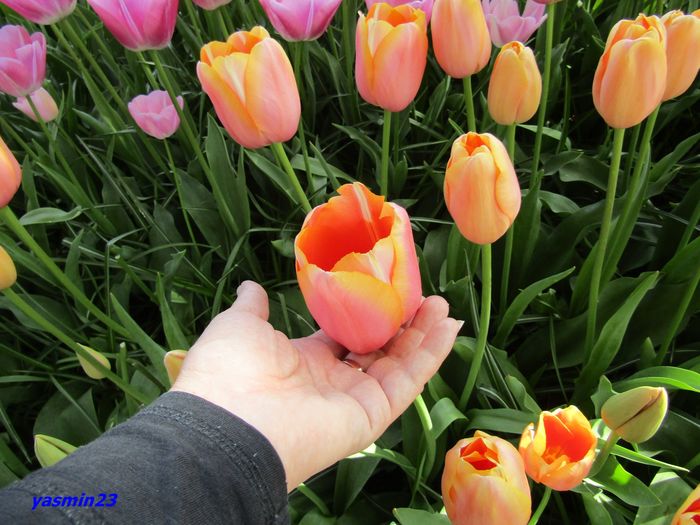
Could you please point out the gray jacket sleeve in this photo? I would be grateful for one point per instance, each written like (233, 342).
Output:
(180, 460)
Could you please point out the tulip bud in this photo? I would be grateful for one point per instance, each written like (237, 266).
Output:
(636, 415)
(50, 450)
(357, 268)
(515, 87)
(173, 363)
(682, 51)
(559, 453)
(631, 75)
(481, 189)
(507, 25)
(91, 370)
(40, 11)
(8, 272)
(251, 83)
(300, 19)
(689, 512)
(138, 25)
(391, 54)
(10, 174)
(460, 37)
(484, 483)
(22, 61)
(155, 114)
(210, 5)
(424, 5)
(44, 103)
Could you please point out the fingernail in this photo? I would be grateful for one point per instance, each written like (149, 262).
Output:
(241, 287)
(460, 324)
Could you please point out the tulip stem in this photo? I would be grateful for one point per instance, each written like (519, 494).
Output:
(603, 453)
(349, 23)
(485, 318)
(690, 228)
(386, 143)
(469, 103)
(180, 194)
(298, 48)
(427, 424)
(508, 254)
(540, 508)
(301, 199)
(549, 39)
(10, 219)
(618, 141)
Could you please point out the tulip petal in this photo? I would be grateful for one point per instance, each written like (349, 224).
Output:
(406, 274)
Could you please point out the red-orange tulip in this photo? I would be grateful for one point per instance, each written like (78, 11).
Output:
(8, 272)
(484, 483)
(682, 51)
(357, 268)
(251, 83)
(481, 188)
(392, 51)
(631, 75)
(689, 512)
(10, 174)
(559, 453)
(460, 37)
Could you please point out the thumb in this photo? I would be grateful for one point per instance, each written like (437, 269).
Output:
(252, 299)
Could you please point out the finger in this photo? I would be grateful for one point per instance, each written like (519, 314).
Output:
(252, 299)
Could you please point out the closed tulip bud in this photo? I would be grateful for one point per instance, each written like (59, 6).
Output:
(10, 174)
(173, 363)
(42, 12)
(22, 61)
(357, 268)
(300, 19)
(484, 483)
(631, 75)
(210, 5)
(138, 25)
(515, 87)
(424, 5)
(481, 189)
(44, 102)
(50, 450)
(460, 37)
(392, 51)
(689, 512)
(682, 51)
(559, 452)
(155, 114)
(636, 415)
(8, 272)
(251, 83)
(506, 24)
(91, 370)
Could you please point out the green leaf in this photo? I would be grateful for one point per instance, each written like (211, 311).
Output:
(201, 206)
(597, 513)
(49, 216)
(408, 516)
(524, 400)
(671, 491)
(559, 203)
(636, 457)
(667, 376)
(586, 169)
(615, 479)
(500, 420)
(350, 478)
(173, 333)
(443, 414)
(605, 391)
(366, 143)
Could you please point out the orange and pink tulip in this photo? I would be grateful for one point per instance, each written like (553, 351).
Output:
(8, 272)
(250, 81)
(682, 51)
(689, 512)
(10, 174)
(357, 268)
(392, 52)
(484, 483)
(559, 451)
(424, 5)
(45, 105)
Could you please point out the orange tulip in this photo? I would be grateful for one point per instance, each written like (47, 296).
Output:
(251, 83)
(631, 75)
(392, 51)
(460, 37)
(560, 452)
(515, 87)
(8, 272)
(484, 483)
(481, 188)
(689, 512)
(682, 51)
(357, 268)
(10, 174)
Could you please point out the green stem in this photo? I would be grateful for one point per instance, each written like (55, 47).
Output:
(508, 253)
(485, 318)
(301, 199)
(427, 425)
(386, 143)
(631, 148)
(469, 103)
(20, 231)
(603, 453)
(298, 49)
(549, 39)
(349, 24)
(222, 24)
(147, 70)
(540, 508)
(603, 241)
(690, 228)
(314, 498)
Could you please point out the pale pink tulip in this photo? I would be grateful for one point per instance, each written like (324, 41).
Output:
(210, 5)
(138, 25)
(156, 114)
(424, 5)
(506, 24)
(44, 102)
(300, 19)
(22, 61)
(42, 12)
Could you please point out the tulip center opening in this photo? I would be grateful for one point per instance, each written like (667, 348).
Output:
(479, 455)
(563, 441)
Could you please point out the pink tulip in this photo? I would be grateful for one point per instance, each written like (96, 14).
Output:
(42, 12)
(138, 24)
(44, 102)
(156, 114)
(547, 2)
(22, 61)
(300, 19)
(424, 5)
(507, 25)
(210, 5)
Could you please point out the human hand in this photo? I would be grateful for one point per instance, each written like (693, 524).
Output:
(312, 407)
